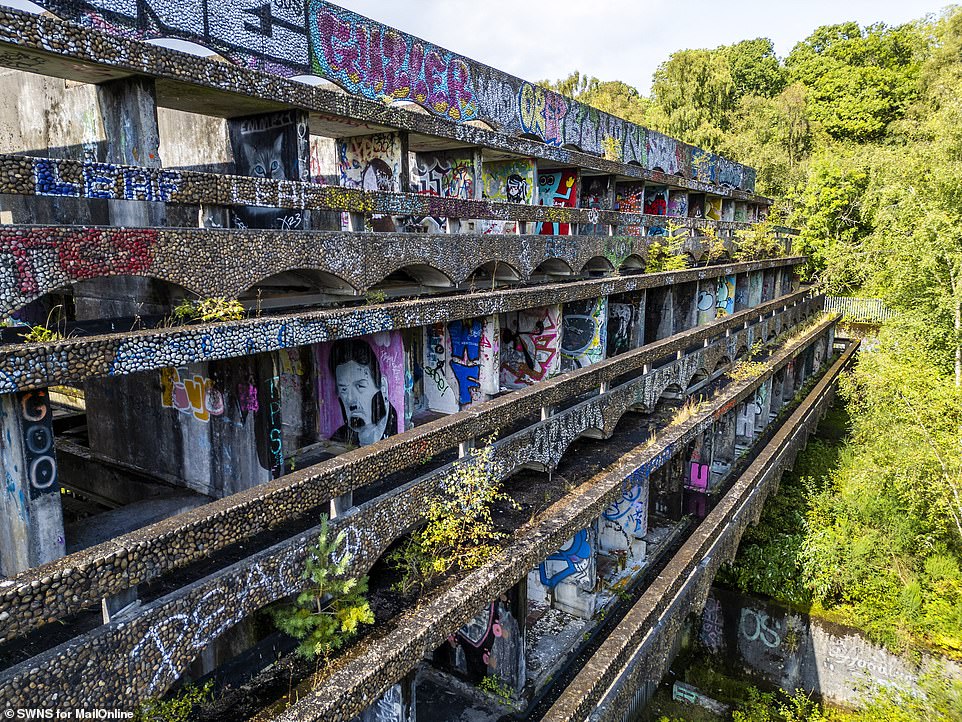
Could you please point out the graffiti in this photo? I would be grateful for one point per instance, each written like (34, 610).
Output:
(361, 388)
(713, 208)
(190, 394)
(712, 625)
(706, 305)
(81, 254)
(596, 195)
(371, 162)
(573, 562)
(530, 346)
(437, 387)
(621, 323)
(275, 146)
(755, 625)
(678, 203)
(630, 198)
(542, 113)
(40, 458)
(379, 63)
(388, 708)
(375, 61)
(558, 189)
(490, 644)
(247, 398)
(745, 419)
(451, 174)
(725, 298)
(466, 356)
(698, 476)
(584, 337)
(662, 152)
(631, 510)
(105, 180)
(656, 203)
(214, 613)
(511, 181)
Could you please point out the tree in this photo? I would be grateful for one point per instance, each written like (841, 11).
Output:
(755, 68)
(859, 80)
(329, 613)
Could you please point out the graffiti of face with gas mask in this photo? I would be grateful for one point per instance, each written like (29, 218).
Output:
(362, 390)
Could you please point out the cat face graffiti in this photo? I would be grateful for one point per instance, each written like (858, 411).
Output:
(266, 161)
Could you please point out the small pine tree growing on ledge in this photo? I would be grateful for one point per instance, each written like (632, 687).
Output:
(330, 612)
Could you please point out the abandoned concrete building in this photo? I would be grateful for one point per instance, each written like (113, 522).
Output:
(310, 268)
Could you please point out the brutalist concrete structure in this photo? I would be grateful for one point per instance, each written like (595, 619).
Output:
(399, 255)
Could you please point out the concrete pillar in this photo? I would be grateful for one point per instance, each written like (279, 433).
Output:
(271, 145)
(31, 531)
(686, 306)
(375, 162)
(724, 444)
(128, 108)
(659, 314)
(755, 283)
(493, 643)
(706, 301)
(742, 292)
(566, 580)
(763, 403)
(788, 381)
(398, 704)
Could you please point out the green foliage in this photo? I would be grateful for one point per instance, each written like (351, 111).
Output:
(208, 310)
(41, 334)
(494, 686)
(331, 610)
(178, 708)
(778, 706)
(460, 532)
(859, 79)
(613, 97)
(665, 253)
(373, 296)
(759, 241)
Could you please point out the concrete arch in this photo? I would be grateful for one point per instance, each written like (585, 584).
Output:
(497, 271)
(633, 262)
(420, 273)
(597, 265)
(553, 267)
(310, 279)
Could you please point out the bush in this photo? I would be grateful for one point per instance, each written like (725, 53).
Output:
(460, 533)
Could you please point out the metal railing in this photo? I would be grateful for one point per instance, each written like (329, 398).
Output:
(862, 310)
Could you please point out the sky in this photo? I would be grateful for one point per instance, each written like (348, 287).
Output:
(613, 39)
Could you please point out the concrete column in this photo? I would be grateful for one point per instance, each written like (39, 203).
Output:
(659, 313)
(763, 402)
(128, 108)
(742, 292)
(271, 145)
(31, 531)
(724, 444)
(788, 381)
(705, 301)
(375, 162)
(398, 704)
(686, 306)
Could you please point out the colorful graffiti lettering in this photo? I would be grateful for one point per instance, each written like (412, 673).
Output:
(698, 476)
(631, 510)
(105, 180)
(190, 394)
(542, 113)
(81, 254)
(375, 61)
(530, 346)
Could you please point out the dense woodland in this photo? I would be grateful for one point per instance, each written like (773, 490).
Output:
(858, 134)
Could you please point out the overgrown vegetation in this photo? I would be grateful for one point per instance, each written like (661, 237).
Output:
(460, 532)
(331, 610)
(208, 310)
(178, 708)
(858, 132)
